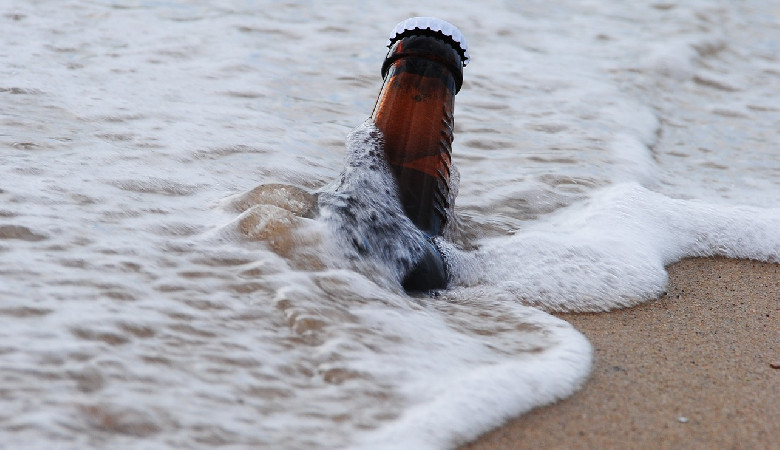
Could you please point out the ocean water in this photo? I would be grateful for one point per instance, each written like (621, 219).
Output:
(168, 281)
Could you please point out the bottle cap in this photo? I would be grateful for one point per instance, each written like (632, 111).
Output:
(437, 26)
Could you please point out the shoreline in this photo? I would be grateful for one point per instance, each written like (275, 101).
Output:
(696, 368)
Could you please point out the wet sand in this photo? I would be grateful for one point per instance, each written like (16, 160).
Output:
(697, 368)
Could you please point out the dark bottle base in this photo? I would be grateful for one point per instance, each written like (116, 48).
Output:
(430, 272)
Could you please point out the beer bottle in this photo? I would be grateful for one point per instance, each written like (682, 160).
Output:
(422, 72)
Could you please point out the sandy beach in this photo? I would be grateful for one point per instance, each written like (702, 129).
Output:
(697, 368)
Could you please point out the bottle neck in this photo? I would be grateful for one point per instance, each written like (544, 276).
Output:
(414, 111)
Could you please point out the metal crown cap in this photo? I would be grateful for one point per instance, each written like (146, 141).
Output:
(437, 25)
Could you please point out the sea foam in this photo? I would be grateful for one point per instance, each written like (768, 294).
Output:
(611, 250)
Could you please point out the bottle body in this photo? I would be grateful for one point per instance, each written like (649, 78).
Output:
(415, 112)
(423, 71)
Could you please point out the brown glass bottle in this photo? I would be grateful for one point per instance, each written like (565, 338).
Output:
(422, 73)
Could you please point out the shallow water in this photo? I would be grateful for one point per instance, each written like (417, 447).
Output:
(149, 301)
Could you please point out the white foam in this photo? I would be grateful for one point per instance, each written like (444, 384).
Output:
(456, 404)
(611, 251)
